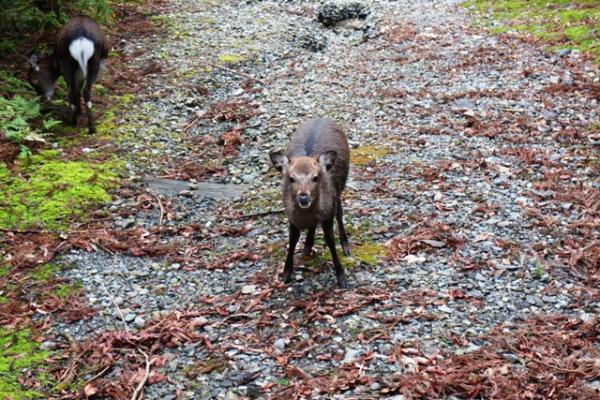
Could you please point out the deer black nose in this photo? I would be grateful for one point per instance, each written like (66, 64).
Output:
(303, 200)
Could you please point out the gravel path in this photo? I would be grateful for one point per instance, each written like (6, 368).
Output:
(456, 228)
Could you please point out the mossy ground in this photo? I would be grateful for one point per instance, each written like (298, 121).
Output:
(48, 192)
(18, 352)
(564, 23)
(55, 184)
(231, 58)
(367, 254)
(364, 155)
(364, 251)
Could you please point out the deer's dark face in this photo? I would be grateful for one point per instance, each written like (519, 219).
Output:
(302, 175)
(40, 76)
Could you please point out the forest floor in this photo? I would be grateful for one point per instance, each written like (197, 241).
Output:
(473, 210)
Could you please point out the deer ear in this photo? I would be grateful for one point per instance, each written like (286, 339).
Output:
(327, 159)
(280, 161)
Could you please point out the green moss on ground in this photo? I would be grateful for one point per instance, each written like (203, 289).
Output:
(364, 155)
(368, 254)
(565, 23)
(48, 192)
(44, 272)
(18, 352)
(231, 58)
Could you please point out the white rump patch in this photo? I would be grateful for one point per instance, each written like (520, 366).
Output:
(89, 105)
(82, 49)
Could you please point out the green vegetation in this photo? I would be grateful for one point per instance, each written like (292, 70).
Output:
(29, 15)
(564, 23)
(16, 116)
(5, 269)
(48, 192)
(18, 352)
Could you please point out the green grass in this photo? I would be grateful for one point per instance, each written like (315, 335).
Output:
(563, 23)
(18, 352)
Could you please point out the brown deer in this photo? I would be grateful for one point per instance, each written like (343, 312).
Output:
(79, 51)
(315, 168)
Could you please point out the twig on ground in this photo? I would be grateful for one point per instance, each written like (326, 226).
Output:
(138, 392)
(98, 375)
(26, 231)
(259, 214)
(112, 300)
(160, 205)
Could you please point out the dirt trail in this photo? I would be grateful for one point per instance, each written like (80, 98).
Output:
(473, 202)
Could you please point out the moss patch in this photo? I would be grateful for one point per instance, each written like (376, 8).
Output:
(364, 155)
(65, 290)
(231, 58)
(44, 272)
(47, 192)
(17, 353)
(568, 23)
(367, 254)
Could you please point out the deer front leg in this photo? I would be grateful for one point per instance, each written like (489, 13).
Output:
(289, 261)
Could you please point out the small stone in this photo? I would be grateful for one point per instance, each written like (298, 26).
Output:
(375, 386)
(465, 104)
(200, 321)
(434, 243)
(139, 322)
(48, 345)
(413, 259)
(248, 178)
(386, 349)
(549, 114)
(249, 289)
(279, 344)
(129, 317)
(511, 357)
(352, 354)
(444, 308)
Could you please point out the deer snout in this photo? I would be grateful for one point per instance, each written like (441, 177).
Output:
(303, 200)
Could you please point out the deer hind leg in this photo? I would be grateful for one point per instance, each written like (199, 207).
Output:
(330, 240)
(309, 243)
(93, 69)
(343, 236)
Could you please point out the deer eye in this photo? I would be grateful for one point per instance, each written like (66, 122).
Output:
(292, 180)
(315, 178)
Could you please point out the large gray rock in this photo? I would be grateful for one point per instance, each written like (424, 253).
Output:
(331, 13)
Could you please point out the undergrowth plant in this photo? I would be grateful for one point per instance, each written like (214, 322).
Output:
(18, 118)
(25, 16)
